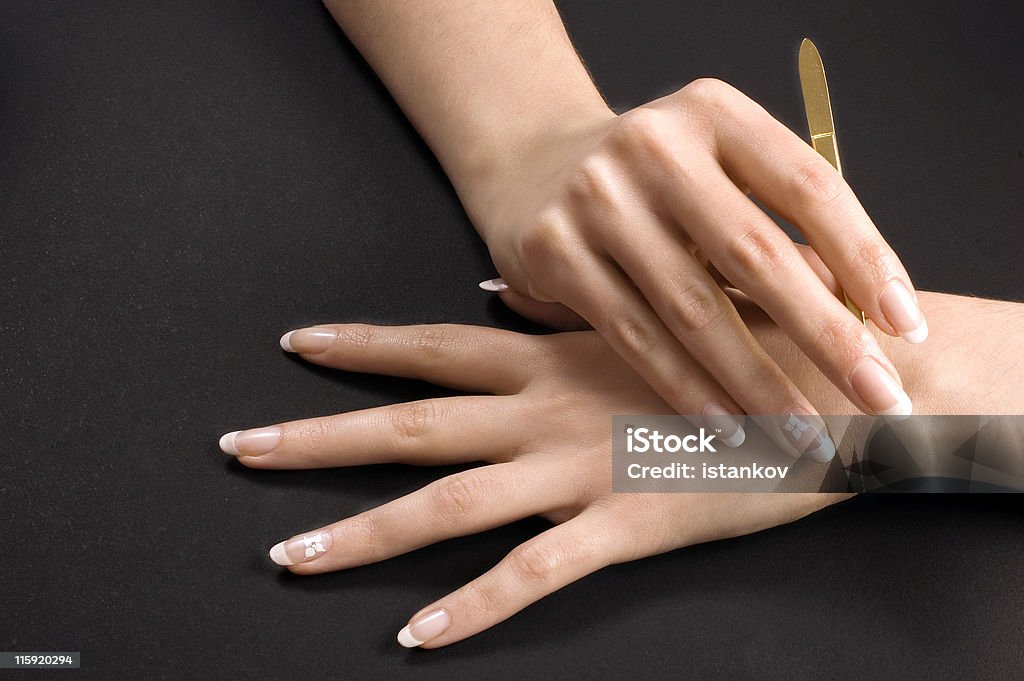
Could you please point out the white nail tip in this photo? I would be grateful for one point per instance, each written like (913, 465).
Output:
(227, 443)
(285, 342)
(406, 639)
(918, 335)
(493, 285)
(903, 407)
(278, 555)
(734, 440)
(824, 452)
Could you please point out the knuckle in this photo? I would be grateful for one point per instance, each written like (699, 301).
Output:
(643, 128)
(535, 564)
(816, 183)
(707, 101)
(834, 334)
(412, 421)
(761, 249)
(434, 341)
(364, 532)
(456, 497)
(877, 258)
(478, 603)
(707, 89)
(355, 337)
(317, 434)
(597, 180)
(637, 337)
(653, 143)
(547, 242)
(696, 307)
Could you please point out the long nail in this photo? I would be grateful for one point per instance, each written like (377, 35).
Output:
(717, 418)
(902, 311)
(807, 435)
(493, 285)
(879, 389)
(255, 442)
(309, 341)
(301, 549)
(424, 628)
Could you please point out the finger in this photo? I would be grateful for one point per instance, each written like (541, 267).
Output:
(820, 269)
(703, 319)
(533, 570)
(473, 358)
(815, 263)
(628, 323)
(553, 315)
(716, 276)
(753, 253)
(424, 433)
(464, 503)
(797, 183)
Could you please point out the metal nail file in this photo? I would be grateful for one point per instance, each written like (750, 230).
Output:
(819, 120)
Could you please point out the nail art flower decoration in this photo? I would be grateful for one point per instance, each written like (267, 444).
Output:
(314, 545)
(796, 426)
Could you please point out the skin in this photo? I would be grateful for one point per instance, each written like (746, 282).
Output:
(622, 222)
(541, 431)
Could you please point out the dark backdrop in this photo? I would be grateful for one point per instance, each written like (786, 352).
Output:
(181, 182)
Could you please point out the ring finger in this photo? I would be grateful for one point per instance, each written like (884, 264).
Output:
(464, 503)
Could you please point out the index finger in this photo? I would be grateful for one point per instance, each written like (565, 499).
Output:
(798, 184)
(473, 358)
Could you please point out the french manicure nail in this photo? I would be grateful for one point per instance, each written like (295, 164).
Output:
(902, 311)
(424, 628)
(730, 430)
(255, 442)
(301, 549)
(879, 390)
(807, 435)
(310, 341)
(493, 285)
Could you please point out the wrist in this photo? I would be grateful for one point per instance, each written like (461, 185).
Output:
(968, 364)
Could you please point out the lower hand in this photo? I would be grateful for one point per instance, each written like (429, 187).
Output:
(543, 432)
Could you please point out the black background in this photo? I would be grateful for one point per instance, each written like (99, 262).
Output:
(181, 182)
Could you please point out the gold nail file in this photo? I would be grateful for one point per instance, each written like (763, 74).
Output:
(819, 121)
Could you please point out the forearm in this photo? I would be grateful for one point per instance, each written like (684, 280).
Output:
(970, 364)
(483, 82)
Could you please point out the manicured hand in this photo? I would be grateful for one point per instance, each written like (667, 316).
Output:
(543, 431)
(619, 220)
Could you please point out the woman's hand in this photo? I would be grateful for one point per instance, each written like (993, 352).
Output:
(612, 219)
(544, 431)
(620, 218)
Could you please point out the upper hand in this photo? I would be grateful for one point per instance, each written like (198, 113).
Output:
(621, 219)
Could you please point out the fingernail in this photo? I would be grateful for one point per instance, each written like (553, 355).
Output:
(879, 390)
(493, 285)
(422, 629)
(301, 549)
(730, 430)
(310, 341)
(255, 442)
(902, 311)
(807, 435)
